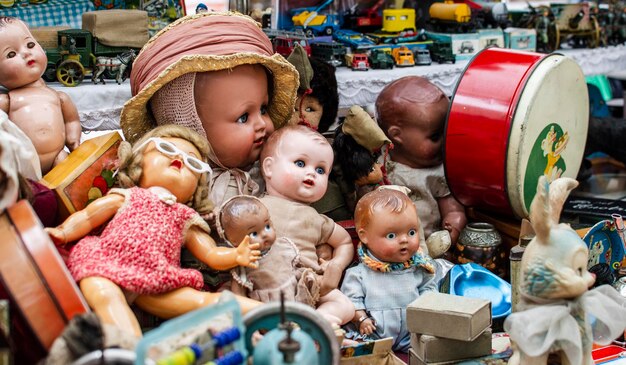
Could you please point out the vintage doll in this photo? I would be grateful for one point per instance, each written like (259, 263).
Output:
(393, 271)
(358, 145)
(48, 117)
(316, 107)
(136, 258)
(281, 267)
(318, 101)
(412, 113)
(558, 314)
(217, 74)
(295, 164)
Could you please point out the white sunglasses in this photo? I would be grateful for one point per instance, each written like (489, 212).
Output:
(170, 149)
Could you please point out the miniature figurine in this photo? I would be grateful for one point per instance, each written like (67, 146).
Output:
(558, 314)
(295, 164)
(542, 23)
(358, 144)
(136, 258)
(48, 117)
(392, 271)
(212, 72)
(412, 113)
(281, 267)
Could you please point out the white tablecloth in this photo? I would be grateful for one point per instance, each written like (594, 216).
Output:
(100, 105)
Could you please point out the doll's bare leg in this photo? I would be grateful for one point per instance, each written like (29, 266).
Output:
(183, 300)
(336, 307)
(109, 303)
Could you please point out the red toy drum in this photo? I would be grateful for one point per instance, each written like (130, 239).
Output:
(514, 116)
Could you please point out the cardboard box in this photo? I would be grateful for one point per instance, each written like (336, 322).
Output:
(449, 316)
(464, 45)
(437, 349)
(520, 38)
(85, 175)
(490, 37)
(47, 36)
(118, 28)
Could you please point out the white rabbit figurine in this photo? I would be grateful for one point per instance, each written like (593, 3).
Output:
(558, 314)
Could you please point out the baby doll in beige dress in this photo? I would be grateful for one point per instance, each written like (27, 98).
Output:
(48, 117)
(295, 163)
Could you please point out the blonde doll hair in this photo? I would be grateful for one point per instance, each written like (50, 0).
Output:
(130, 161)
(391, 200)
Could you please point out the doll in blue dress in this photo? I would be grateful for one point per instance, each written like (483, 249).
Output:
(392, 271)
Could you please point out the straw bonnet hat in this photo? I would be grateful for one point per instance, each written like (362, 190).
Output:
(205, 42)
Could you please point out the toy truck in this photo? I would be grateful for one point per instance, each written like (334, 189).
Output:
(312, 22)
(398, 20)
(403, 56)
(357, 61)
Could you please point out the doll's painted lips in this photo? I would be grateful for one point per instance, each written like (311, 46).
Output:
(309, 182)
(404, 250)
(178, 164)
(31, 62)
(259, 141)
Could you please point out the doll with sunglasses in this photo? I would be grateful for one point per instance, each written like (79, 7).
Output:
(392, 271)
(136, 258)
(295, 164)
(48, 117)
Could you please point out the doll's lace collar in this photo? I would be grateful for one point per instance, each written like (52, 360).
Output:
(163, 194)
(417, 260)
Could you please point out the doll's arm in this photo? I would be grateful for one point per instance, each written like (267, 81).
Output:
(79, 224)
(4, 103)
(453, 217)
(73, 128)
(202, 246)
(343, 251)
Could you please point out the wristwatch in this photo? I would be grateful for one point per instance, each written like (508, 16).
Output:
(363, 318)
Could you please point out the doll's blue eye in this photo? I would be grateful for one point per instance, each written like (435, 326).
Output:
(390, 236)
(11, 54)
(253, 234)
(263, 109)
(320, 170)
(412, 232)
(299, 163)
(243, 119)
(268, 227)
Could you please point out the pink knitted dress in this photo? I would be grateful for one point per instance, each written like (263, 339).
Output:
(139, 249)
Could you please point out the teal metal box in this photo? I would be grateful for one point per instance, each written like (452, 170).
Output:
(490, 37)
(464, 45)
(520, 38)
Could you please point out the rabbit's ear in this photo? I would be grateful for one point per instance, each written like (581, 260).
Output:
(559, 191)
(540, 211)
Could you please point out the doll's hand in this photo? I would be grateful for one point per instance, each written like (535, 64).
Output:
(248, 253)
(330, 279)
(367, 326)
(57, 236)
(324, 252)
(72, 145)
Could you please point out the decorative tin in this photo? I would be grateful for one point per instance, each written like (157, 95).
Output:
(481, 243)
(514, 116)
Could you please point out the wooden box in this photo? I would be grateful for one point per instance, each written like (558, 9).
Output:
(85, 175)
